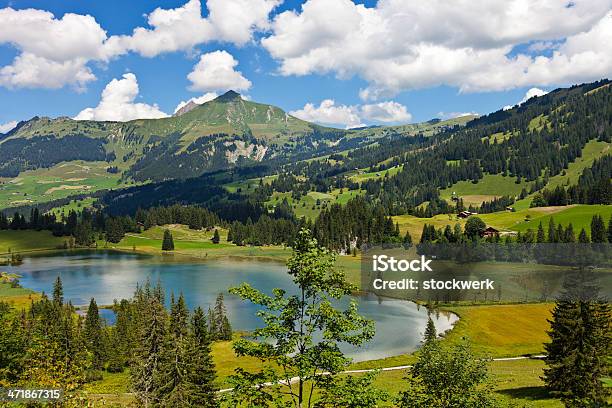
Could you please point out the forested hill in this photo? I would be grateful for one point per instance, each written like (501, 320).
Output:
(531, 145)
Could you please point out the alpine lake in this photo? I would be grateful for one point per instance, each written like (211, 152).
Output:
(110, 275)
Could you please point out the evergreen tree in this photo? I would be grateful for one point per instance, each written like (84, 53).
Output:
(407, 242)
(221, 324)
(203, 393)
(570, 237)
(583, 237)
(58, 292)
(145, 369)
(168, 241)
(176, 365)
(430, 331)
(598, 229)
(114, 230)
(540, 235)
(580, 343)
(551, 237)
(93, 334)
(216, 238)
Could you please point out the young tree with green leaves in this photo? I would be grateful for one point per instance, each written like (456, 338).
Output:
(447, 378)
(301, 333)
(474, 227)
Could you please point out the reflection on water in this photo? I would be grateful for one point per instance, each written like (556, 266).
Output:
(107, 276)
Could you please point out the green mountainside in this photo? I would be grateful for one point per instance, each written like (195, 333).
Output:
(45, 159)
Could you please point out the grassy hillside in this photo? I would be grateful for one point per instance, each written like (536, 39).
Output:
(579, 215)
(23, 241)
(495, 185)
(487, 188)
(60, 181)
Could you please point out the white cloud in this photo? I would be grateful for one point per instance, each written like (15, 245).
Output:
(350, 116)
(117, 103)
(8, 126)
(31, 71)
(216, 72)
(453, 115)
(386, 112)
(400, 45)
(209, 96)
(236, 20)
(328, 113)
(528, 95)
(183, 28)
(55, 52)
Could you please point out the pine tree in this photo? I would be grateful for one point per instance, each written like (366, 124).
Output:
(598, 229)
(93, 335)
(430, 331)
(168, 241)
(222, 325)
(147, 362)
(203, 393)
(407, 242)
(174, 387)
(583, 237)
(580, 342)
(551, 231)
(540, 236)
(58, 292)
(216, 238)
(569, 234)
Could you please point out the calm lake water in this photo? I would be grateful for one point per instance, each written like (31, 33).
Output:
(107, 276)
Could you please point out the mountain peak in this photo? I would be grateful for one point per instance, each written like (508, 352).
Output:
(229, 96)
(191, 105)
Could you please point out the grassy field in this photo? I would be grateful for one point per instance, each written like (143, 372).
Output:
(375, 175)
(489, 187)
(22, 241)
(414, 225)
(19, 298)
(59, 181)
(517, 382)
(196, 244)
(579, 215)
(311, 204)
(502, 330)
(592, 150)
(496, 331)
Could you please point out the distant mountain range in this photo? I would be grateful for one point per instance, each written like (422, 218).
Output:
(223, 133)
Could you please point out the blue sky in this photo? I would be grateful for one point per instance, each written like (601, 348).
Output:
(379, 62)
